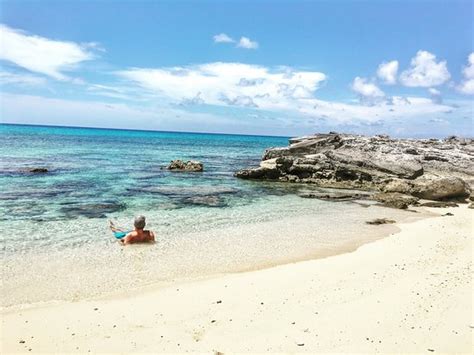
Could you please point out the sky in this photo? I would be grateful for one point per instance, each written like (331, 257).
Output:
(403, 68)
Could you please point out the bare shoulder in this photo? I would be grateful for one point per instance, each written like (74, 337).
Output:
(152, 235)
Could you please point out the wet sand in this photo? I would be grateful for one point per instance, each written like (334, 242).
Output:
(409, 292)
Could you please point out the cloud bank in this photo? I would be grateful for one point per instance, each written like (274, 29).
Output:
(225, 84)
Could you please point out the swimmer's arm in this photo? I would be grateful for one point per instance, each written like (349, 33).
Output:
(127, 239)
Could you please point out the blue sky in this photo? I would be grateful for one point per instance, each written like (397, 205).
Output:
(404, 68)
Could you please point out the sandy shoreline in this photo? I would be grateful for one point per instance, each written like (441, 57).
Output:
(410, 292)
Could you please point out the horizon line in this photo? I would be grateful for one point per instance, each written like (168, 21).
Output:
(141, 130)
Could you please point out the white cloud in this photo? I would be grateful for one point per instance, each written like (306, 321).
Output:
(388, 72)
(223, 38)
(435, 95)
(368, 92)
(467, 85)
(247, 43)
(425, 71)
(7, 78)
(229, 84)
(42, 55)
(468, 71)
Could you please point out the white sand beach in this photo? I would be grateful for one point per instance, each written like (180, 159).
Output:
(408, 293)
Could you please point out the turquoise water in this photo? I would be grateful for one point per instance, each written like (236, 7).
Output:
(55, 238)
(98, 173)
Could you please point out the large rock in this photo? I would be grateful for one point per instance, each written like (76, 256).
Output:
(258, 173)
(372, 163)
(38, 170)
(398, 185)
(441, 188)
(395, 200)
(190, 165)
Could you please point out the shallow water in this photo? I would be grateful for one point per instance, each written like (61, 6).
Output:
(57, 245)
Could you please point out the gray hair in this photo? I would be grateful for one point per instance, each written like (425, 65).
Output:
(139, 222)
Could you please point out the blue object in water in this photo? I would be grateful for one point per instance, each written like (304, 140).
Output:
(120, 235)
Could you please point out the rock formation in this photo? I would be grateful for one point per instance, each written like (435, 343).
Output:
(36, 170)
(190, 165)
(401, 170)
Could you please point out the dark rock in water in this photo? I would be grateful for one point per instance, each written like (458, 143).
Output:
(426, 168)
(471, 205)
(209, 201)
(395, 200)
(184, 191)
(439, 204)
(447, 214)
(378, 221)
(92, 210)
(190, 165)
(36, 170)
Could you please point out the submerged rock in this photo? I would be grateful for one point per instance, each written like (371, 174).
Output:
(92, 210)
(190, 165)
(36, 170)
(184, 191)
(209, 201)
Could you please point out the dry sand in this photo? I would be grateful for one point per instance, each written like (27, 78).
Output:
(410, 292)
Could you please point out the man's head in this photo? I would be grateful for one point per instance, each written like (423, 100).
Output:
(139, 222)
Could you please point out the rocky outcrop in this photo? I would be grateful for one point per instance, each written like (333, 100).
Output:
(36, 170)
(427, 168)
(190, 165)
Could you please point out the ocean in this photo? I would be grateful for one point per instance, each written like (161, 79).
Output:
(55, 240)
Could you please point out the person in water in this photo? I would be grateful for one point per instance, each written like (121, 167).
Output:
(138, 235)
